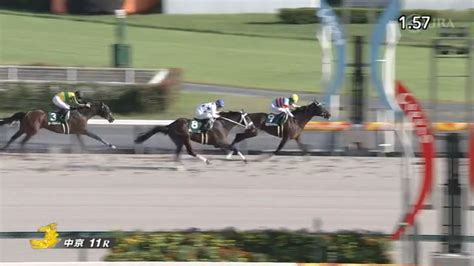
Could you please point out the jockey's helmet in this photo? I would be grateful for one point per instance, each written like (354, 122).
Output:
(79, 94)
(294, 98)
(220, 103)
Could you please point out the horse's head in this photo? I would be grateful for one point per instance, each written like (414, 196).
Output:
(318, 109)
(103, 110)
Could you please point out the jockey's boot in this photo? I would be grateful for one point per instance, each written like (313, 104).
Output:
(281, 118)
(64, 115)
(208, 125)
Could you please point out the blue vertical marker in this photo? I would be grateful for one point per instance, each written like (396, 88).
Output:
(329, 18)
(391, 13)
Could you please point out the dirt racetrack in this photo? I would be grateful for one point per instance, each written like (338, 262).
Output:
(149, 192)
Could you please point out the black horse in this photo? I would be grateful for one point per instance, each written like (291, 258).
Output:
(292, 129)
(180, 134)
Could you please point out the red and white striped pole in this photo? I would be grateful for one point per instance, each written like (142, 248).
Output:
(413, 110)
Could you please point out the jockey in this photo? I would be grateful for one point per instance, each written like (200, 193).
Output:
(285, 105)
(65, 99)
(209, 111)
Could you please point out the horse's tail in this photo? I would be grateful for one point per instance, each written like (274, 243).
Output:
(15, 117)
(144, 136)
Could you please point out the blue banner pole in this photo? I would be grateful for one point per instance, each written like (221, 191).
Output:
(329, 18)
(377, 39)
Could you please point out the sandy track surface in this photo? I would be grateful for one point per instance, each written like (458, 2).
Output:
(149, 192)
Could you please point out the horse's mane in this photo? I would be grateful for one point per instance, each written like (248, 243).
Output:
(82, 109)
(302, 109)
(96, 103)
(229, 113)
(92, 103)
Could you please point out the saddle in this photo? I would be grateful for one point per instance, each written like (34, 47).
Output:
(56, 117)
(200, 125)
(276, 119)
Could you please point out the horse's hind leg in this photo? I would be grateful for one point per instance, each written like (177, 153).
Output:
(179, 146)
(189, 148)
(13, 138)
(24, 140)
(281, 145)
(30, 132)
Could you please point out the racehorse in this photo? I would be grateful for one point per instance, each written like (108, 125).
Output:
(180, 134)
(292, 129)
(31, 122)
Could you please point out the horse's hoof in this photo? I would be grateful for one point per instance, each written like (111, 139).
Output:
(208, 162)
(113, 147)
(245, 161)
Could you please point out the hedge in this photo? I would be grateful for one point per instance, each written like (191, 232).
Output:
(74, 6)
(252, 246)
(123, 99)
(363, 15)
(90, 7)
(27, 5)
(308, 15)
(298, 15)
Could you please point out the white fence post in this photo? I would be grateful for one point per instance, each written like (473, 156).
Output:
(388, 77)
(12, 73)
(71, 74)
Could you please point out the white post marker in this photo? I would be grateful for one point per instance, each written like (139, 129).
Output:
(407, 178)
(334, 103)
(120, 13)
(388, 78)
(325, 39)
(159, 76)
(326, 59)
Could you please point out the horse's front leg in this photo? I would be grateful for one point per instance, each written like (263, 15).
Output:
(303, 147)
(232, 149)
(283, 141)
(249, 133)
(94, 136)
(81, 142)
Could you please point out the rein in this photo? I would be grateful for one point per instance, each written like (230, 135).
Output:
(245, 124)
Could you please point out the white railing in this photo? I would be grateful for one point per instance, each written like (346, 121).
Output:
(110, 76)
(166, 263)
(130, 122)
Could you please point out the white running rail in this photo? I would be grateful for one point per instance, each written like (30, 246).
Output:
(130, 122)
(165, 263)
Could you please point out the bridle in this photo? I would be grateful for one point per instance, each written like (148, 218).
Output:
(243, 122)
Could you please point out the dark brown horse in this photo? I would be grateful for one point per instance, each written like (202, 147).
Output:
(31, 122)
(292, 129)
(179, 133)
